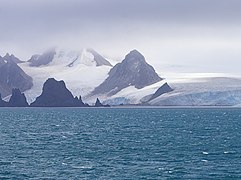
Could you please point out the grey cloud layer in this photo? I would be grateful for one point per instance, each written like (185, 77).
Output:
(213, 11)
(170, 29)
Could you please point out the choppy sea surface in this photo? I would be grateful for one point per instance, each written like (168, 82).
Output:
(112, 143)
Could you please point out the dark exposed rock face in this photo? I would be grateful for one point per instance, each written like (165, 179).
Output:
(55, 94)
(17, 99)
(12, 76)
(12, 58)
(44, 59)
(100, 61)
(165, 88)
(2, 102)
(99, 104)
(132, 71)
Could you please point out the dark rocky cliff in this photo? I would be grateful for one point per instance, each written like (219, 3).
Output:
(165, 88)
(132, 71)
(99, 104)
(17, 99)
(12, 76)
(56, 94)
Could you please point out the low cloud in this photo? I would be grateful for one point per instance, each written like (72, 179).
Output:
(202, 35)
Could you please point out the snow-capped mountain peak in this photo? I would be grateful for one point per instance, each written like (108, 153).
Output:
(69, 58)
(132, 71)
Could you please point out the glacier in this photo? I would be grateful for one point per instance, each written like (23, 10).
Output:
(213, 91)
(83, 71)
(78, 69)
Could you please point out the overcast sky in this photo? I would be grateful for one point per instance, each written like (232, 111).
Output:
(173, 35)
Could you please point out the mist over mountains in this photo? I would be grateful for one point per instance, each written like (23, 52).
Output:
(133, 81)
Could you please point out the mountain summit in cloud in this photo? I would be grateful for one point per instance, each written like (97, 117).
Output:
(86, 56)
(43, 59)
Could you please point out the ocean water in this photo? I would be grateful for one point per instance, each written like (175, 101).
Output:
(112, 143)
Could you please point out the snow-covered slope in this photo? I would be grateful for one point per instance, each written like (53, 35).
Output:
(55, 56)
(88, 57)
(79, 69)
(85, 70)
(215, 91)
(196, 90)
(129, 95)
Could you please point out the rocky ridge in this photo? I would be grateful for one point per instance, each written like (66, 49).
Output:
(132, 71)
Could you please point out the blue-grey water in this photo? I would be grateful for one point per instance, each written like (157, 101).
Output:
(135, 143)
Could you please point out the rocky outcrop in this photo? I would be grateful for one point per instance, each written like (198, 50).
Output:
(12, 58)
(132, 71)
(165, 88)
(43, 59)
(17, 99)
(55, 94)
(99, 104)
(12, 76)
